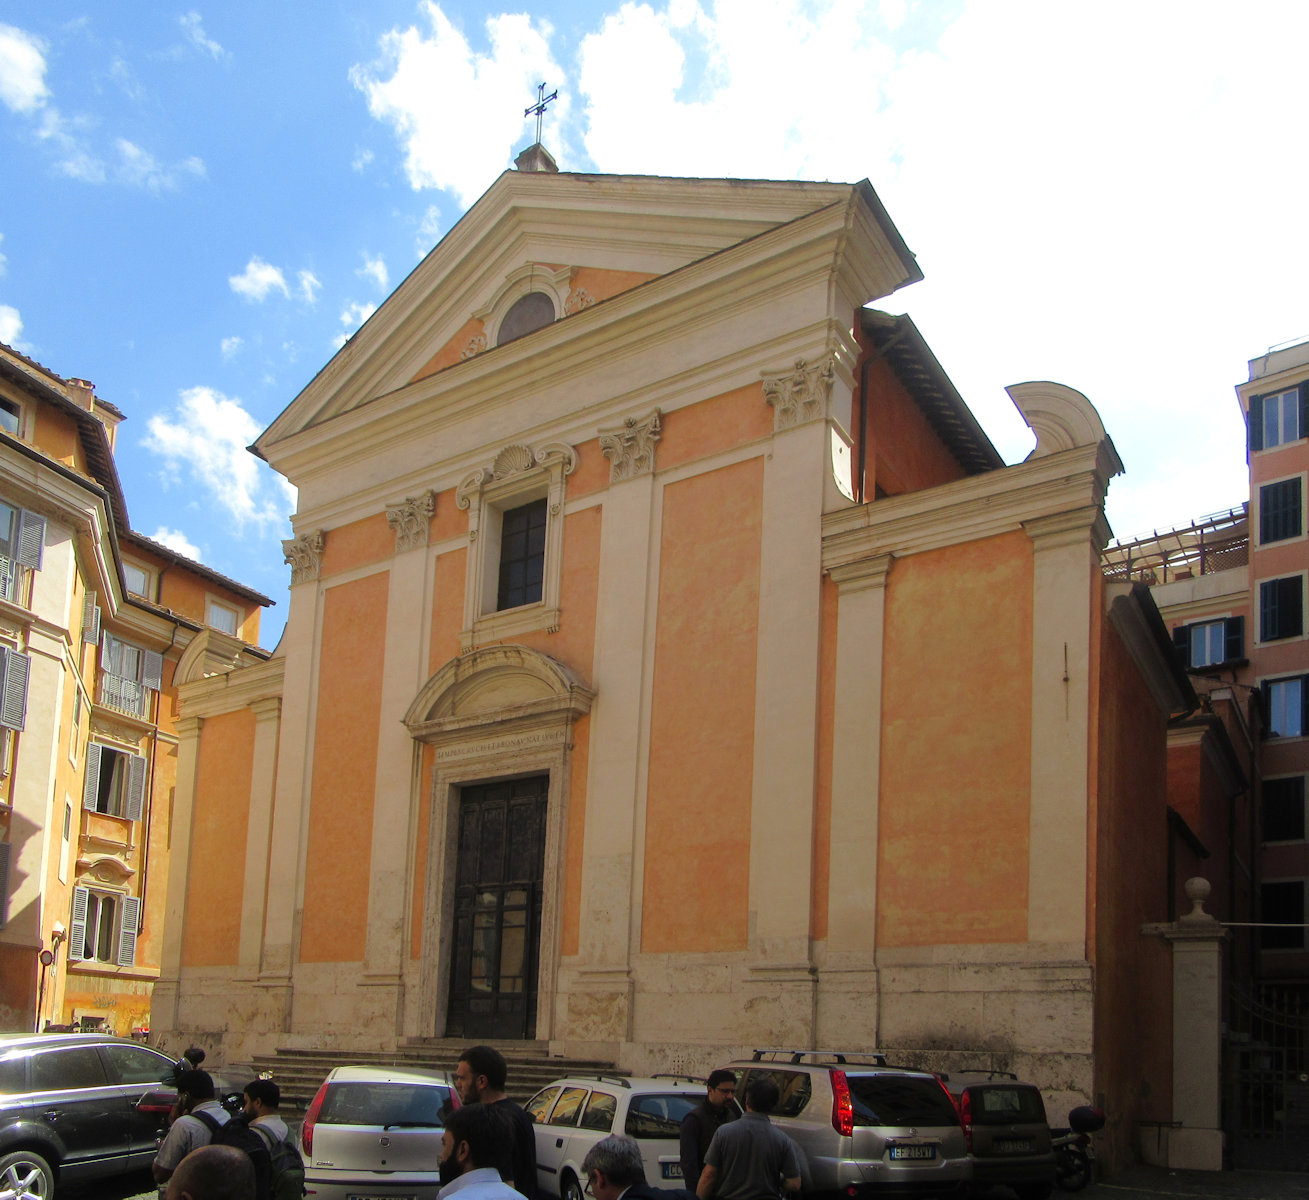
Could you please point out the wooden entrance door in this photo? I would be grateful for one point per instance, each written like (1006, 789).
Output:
(497, 919)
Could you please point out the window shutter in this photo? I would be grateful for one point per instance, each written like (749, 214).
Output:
(1235, 634)
(1182, 645)
(90, 619)
(5, 849)
(1304, 409)
(127, 931)
(152, 669)
(1256, 423)
(135, 786)
(31, 539)
(1268, 595)
(91, 785)
(1290, 606)
(77, 925)
(13, 688)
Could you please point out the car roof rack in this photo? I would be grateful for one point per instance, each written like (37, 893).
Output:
(618, 1079)
(677, 1075)
(840, 1057)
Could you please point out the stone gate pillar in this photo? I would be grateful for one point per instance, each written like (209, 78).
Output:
(1196, 1140)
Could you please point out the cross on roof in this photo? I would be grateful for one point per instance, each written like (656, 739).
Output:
(539, 107)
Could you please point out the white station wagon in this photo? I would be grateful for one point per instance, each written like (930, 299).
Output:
(573, 1114)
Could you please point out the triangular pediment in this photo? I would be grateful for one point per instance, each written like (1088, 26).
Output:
(577, 240)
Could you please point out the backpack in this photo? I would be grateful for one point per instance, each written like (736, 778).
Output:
(287, 1178)
(236, 1132)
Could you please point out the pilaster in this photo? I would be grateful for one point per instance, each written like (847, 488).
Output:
(263, 775)
(163, 1004)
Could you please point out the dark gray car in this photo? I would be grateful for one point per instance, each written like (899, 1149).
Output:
(1008, 1136)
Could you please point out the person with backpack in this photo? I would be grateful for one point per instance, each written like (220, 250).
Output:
(195, 1102)
(287, 1176)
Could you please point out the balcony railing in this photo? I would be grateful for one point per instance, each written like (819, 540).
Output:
(122, 695)
(1214, 543)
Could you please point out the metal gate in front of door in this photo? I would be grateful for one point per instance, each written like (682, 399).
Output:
(497, 916)
(1267, 1079)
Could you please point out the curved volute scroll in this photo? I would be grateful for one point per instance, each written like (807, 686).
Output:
(493, 685)
(1062, 419)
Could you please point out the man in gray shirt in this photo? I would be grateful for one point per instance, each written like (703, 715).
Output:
(750, 1159)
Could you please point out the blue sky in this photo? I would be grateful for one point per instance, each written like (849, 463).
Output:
(199, 204)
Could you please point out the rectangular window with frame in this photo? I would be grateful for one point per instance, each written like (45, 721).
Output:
(1278, 418)
(127, 674)
(1283, 809)
(22, 545)
(137, 580)
(102, 927)
(1209, 643)
(1281, 608)
(1281, 904)
(1287, 703)
(222, 617)
(522, 555)
(114, 783)
(1279, 511)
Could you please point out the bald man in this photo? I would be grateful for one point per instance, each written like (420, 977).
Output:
(213, 1173)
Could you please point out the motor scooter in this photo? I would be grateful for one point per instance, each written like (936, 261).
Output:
(1074, 1155)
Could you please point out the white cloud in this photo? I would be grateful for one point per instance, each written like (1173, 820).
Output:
(429, 230)
(138, 168)
(11, 325)
(229, 346)
(361, 159)
(203, 442)
(258, 280)
(195, 34)
(176, 541)
(309, 286)
(4, 262)
(22, 70)
(375, 269)
(423, 75)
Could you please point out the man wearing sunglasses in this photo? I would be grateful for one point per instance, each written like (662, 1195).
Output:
(702, 1122)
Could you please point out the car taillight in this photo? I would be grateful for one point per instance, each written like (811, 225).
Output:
(307, 1129)
(842, 1105)
(966, 1119)
(160, 1101)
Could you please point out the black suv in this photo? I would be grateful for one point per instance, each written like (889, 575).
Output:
(78, 1106)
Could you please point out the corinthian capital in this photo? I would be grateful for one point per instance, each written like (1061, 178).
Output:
(410, 520)
(800, 395)
(630, 448)
(305, 554)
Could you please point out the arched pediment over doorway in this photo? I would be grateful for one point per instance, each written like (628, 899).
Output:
(493, 686)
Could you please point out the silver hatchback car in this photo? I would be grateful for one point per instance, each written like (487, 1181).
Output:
(374, 1133)
(866, 1129)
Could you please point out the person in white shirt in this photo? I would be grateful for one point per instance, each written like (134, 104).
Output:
(195, 1091)
(474, 1145)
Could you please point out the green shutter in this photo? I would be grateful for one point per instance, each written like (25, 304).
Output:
(31, 539)
(13, 688)
(131, 908)
(77, 925)
(152, 669)
(135, 787)
(91, 784)
(90, 619)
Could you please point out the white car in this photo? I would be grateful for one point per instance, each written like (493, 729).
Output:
(374, 1133)
(573, 1114)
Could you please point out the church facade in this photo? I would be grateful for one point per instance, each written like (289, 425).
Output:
(673, 667)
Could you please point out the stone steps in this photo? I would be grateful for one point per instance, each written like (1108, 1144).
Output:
(300, 1073)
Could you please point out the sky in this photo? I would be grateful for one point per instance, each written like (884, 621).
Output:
(199, 205)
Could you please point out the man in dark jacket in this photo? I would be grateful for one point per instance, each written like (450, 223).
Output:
(615, 1170)
(702, 1122)
(479, 1078)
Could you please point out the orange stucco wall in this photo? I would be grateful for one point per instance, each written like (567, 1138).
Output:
(219, 823)
(453, 351)
(359, 544)
(344, 769)
(448, 519)
(591, 474)
(600, 284)
(447, 608)
(56, 435)
(732, 419)
(575, 838)
(954, 810)
(1133, 989)
(903, 452)
(823, 782)
(702, 713)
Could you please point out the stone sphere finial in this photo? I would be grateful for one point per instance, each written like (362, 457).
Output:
(1197, 890)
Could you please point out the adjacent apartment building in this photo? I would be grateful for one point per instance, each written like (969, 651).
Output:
(94, 619)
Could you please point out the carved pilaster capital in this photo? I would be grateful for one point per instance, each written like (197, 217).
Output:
(630, 448)
(188, 727)
(305, 554)
(410, 520)
(863, 574)
(801, 394)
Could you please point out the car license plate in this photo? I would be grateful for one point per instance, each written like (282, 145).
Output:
(671, 1170)
(915, 1151)
(1015, 1145)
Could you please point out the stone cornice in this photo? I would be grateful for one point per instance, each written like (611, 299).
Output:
(981, 506)
(866, 574)
(238, 689)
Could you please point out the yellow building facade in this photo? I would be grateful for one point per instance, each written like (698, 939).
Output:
(673, 667)
(94, 619)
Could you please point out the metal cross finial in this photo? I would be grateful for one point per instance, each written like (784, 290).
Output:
(539, 107)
